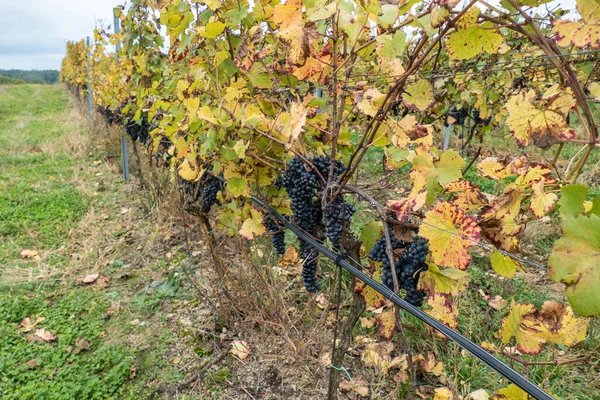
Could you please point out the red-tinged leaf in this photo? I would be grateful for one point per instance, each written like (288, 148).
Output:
(562, 326)
(372, 297)
(467, 195)
(450, 233)
(540, 124)
(443, 309)
(524, 327)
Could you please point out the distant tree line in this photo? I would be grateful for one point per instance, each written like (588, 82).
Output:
(46, 76)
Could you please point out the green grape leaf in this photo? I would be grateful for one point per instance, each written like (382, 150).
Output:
(238, 186)
(391, 46)
(449, 167)
(418, 95)
(472, 41)
(370, 233)
(571, 201)
(504, 265)
(574, 261)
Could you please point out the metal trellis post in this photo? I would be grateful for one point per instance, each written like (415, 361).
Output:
(124, 150)
(89, 80)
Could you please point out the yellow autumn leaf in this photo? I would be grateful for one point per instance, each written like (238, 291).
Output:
(504, 265)
(386, 324)
(288, 17)
(443, 280)
(443, 309)
(540, 124)
(562, 326)
(297, 122)
(450, 233)
(541, 202)
(443, 393)
(521, 325)
(493, 169)
(188, 171)
(252, 226)
(512, 392)
(373, 298)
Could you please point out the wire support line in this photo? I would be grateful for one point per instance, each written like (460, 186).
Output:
(523, 60)
(476, 350)
(425, 74)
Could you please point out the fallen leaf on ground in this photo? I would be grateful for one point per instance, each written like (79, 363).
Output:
(28, 254)
(358, 385)
(89, 278)
(322, 301)
(240, 349)
(32, 363)
(81, 344)
(480, 394)
(41, 335)
(497, 302)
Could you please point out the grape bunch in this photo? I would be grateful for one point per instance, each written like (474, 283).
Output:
(191, 190)
(379, 253)
(338, 216)
(309, 267)
(408, 266)
(458, 115)
(277, 233)
(302, 185)
(209, 197)
(412, 264)
(138, 130)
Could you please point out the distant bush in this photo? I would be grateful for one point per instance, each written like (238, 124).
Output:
(47, 76)
(5, 80)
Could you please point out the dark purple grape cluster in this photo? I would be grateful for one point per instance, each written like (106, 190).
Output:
(408, 266)
(138, 130)
(191, 190)
(209, 196)
(302, 185)
(162, 153)
(338, 216)
(309, 267)
(458, 115)
(277, 232)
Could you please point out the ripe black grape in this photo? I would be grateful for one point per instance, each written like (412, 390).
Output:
(458, 115)
(277, 233)
(209, 197)
(408, 266)
(338, 215)
(303, 185)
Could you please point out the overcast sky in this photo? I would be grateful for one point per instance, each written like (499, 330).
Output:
(33, 33)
